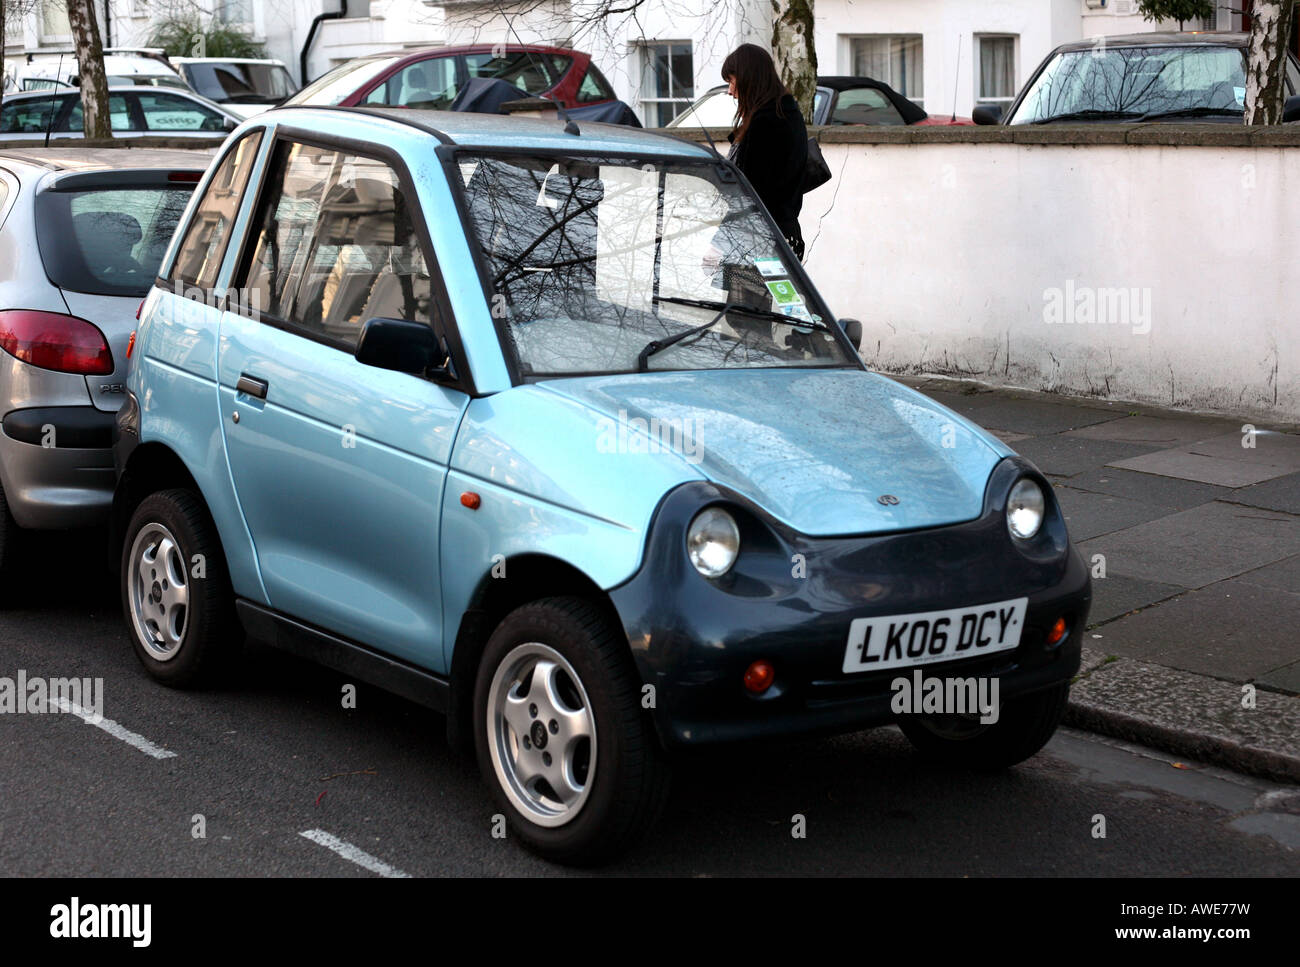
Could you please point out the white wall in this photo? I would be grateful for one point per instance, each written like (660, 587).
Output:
(949, 254)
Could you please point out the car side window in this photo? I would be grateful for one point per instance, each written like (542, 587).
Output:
(169, 112)
(865, 105)
(28, 116)
(334, 245)
(428, 84)
(119, 117)
(594, 86)
(1292, 77)
(530, 72)
(204, 245)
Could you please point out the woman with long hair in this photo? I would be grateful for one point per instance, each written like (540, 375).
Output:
(769, 142)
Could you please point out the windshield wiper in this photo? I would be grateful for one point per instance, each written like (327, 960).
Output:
(733, 307)
(655, 345)
(1193, 112)
(1091, 114)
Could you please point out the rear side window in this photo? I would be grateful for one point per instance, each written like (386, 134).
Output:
(595, 87)
(31, 115)
(204, 246)
(334, 245)
(533, 73)
(107, 241)
(170, 112)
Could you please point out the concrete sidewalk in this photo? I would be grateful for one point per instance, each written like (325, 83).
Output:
(1193, 643)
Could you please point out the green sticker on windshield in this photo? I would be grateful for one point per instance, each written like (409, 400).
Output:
(784, 292)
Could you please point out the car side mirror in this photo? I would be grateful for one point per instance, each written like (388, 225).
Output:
(853, 329)
(987, 114)
(404, 347)
(1291, 109)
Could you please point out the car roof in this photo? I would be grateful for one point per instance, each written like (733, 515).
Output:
(100, 159)
(1187, 38)
(419, 53)
(487, 130)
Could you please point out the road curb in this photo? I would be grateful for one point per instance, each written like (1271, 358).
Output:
(1188, 715)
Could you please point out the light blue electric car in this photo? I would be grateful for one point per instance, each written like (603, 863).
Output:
(543, 425)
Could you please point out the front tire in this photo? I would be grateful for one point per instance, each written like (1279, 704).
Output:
(176, 595)
(571, 757)
(1024, 726)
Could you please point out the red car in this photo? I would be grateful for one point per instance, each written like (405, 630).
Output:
(432, 78)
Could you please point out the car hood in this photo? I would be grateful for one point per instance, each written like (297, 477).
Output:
(826, 452)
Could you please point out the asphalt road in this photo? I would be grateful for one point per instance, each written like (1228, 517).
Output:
(274, 755)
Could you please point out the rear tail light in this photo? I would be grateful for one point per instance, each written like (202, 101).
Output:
(191, 177)
(52, 340)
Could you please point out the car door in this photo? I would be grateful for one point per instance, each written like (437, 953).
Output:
(28, 118)
(339, 467)
(120, 116)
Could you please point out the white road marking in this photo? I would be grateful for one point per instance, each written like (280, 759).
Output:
(354, 854)
(115, 730)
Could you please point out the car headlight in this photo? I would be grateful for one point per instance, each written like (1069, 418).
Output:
(1025, 509)
(713, 542)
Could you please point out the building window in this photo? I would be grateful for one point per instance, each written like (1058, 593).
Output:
(896, 60)
(995, 70)
(235, 12)
(54, 21)
(667, 81)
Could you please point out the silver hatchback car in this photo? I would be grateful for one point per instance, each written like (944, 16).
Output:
(82, 233)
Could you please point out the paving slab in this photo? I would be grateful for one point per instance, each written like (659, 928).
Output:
(1150, 488)
(1064, 456)
(1231, 630)
(1197, 547)
(1089, 515)
(1270, 448)
(1158, 432)
(1008, 436)
(1221, 471)
(1029, 416)
(1280, 493)
(1116, 595)
(1188, 714)
(1283, 575)
(1285, 679)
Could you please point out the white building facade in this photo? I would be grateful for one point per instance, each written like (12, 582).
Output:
(947, 55)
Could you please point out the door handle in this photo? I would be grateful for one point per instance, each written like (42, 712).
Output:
(252, 386)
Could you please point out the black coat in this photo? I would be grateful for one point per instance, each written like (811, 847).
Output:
(773, 155)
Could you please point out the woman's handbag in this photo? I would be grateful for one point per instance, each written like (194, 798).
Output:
(816, 171)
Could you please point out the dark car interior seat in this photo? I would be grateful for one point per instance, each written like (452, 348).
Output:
(107, 240)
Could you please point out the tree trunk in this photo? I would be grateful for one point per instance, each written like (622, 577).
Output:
(90, 64)
(792, 48)
(1270, 22)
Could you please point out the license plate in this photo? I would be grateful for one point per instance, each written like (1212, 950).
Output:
(900, 641)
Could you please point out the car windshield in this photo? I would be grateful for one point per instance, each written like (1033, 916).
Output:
(716, 109)
(1126, 83)
(613, 266)
(241, 83)
(333, 87)
(107, 241)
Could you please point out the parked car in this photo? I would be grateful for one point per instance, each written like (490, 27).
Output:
(838, 100)
(244, 86)
(82, 233)
(432, 78)
(57, 70)
(135, 112)
(605, 480)
(1142, 77)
